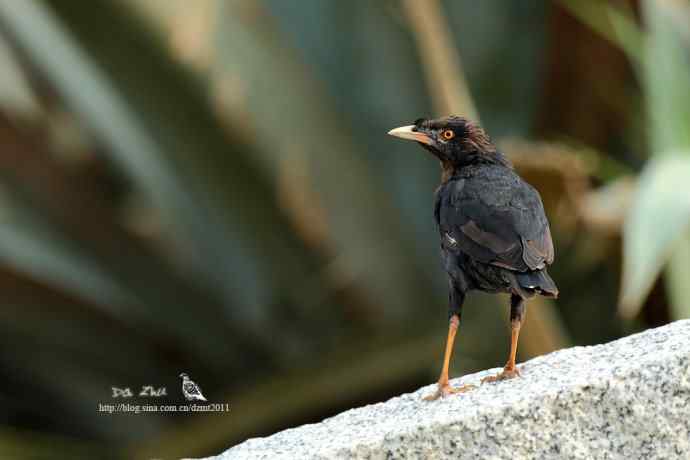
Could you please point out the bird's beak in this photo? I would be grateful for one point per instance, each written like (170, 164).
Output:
(406, 132)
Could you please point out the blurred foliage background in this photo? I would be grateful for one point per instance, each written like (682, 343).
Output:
(207, 187)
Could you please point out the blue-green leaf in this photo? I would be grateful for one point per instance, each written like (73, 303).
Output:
(660, 214)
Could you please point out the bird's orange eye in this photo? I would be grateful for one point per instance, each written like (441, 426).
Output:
(448, 134)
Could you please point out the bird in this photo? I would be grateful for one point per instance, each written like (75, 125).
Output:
(493, 230)
(191, 390)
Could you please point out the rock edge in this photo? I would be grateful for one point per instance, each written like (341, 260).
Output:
(626, 399)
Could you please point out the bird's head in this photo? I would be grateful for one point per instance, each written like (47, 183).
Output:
(455, 141)
(183, 376)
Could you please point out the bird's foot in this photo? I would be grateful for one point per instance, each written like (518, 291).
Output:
(444, 390)
(508, 373)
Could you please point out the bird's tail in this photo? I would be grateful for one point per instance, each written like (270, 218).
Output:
(537, 282)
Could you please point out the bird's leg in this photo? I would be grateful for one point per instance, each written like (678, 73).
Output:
(444, 388)
(517, 314)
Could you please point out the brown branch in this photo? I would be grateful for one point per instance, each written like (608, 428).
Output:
(440, 59)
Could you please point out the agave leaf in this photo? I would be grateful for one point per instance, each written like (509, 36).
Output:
(615, 24)
(659, 218)
(29, 244)
(15, 94)
(667, 75)
(660, 214)
(34, 245)
(57, 230)
(366, 232)
(678, 279)
(219, 207)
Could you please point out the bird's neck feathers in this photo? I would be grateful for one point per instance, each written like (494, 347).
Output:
(470, 161)
(477, 158)
(447, 171)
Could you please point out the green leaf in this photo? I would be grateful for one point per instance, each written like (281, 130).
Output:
(659, 215)
(30, 245)
(15, 93)
(659, 218)
(678, 278)
(363, 227)
(219, 207)
(615, 24)
(667, 75)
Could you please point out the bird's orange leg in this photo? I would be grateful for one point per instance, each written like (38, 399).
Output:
(516, 316)
(444, 388)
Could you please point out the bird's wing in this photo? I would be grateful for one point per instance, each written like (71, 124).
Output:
(497, 219)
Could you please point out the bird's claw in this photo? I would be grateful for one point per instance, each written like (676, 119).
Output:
(505, 375)
(445, 390)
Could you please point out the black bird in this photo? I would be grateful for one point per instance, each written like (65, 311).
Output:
(494, 234)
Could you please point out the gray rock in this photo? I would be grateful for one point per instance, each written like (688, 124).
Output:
(626, 399)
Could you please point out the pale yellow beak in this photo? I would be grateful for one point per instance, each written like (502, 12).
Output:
(406, 132)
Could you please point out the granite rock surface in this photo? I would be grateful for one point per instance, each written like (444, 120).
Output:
(625, 399)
